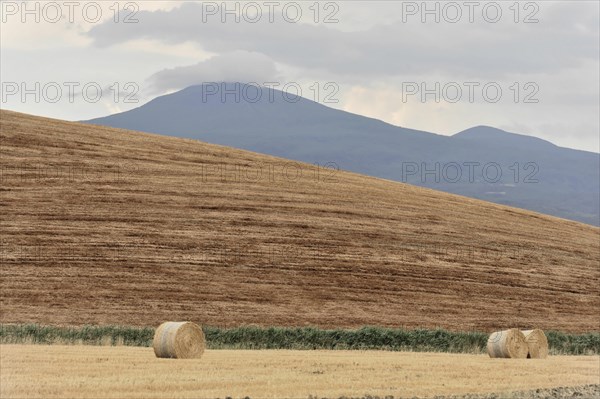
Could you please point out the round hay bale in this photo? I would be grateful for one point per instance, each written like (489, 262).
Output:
(537, 343)
(179, 340)
(507, 344)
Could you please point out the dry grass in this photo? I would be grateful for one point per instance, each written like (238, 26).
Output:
(105, 226)
(123, 372)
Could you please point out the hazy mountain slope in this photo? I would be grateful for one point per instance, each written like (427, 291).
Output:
(562, 182)
(551, 179)
(101, 225)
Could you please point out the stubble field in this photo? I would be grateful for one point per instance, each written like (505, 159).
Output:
(123, 372)
(106, 226)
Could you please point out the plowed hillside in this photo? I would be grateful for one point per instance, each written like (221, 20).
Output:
(108, 226)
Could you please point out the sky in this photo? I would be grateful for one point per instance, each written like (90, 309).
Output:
(525, 67)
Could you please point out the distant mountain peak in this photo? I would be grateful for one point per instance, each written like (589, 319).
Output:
(482, 129)
(232, 93)
(492, 134)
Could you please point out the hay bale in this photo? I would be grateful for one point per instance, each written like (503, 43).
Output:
(179, 340)
(537, 343)
(507, 344)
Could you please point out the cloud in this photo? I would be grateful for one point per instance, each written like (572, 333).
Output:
(565, 39)
(369, 54)
(239, 66)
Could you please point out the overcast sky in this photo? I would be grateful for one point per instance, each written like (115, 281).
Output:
(528, 67)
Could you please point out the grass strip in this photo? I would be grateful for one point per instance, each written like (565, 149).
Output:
(304, 338)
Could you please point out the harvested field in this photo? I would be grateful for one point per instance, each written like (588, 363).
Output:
(105, 226)
(124, 372)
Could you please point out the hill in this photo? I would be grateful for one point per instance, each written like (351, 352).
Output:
(495, 165)
(107, 226)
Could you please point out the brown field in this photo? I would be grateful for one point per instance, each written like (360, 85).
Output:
(107, 226)
(124, 372)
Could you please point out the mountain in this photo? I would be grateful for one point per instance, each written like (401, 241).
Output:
(108, 226)
(481, 162)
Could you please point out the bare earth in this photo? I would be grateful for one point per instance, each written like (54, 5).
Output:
(126, 372)
(106, 226)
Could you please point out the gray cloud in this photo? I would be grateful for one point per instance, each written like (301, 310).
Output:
(240, 66)
(372, 49)
(564, 38)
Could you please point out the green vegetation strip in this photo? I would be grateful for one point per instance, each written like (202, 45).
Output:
(250, 337)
